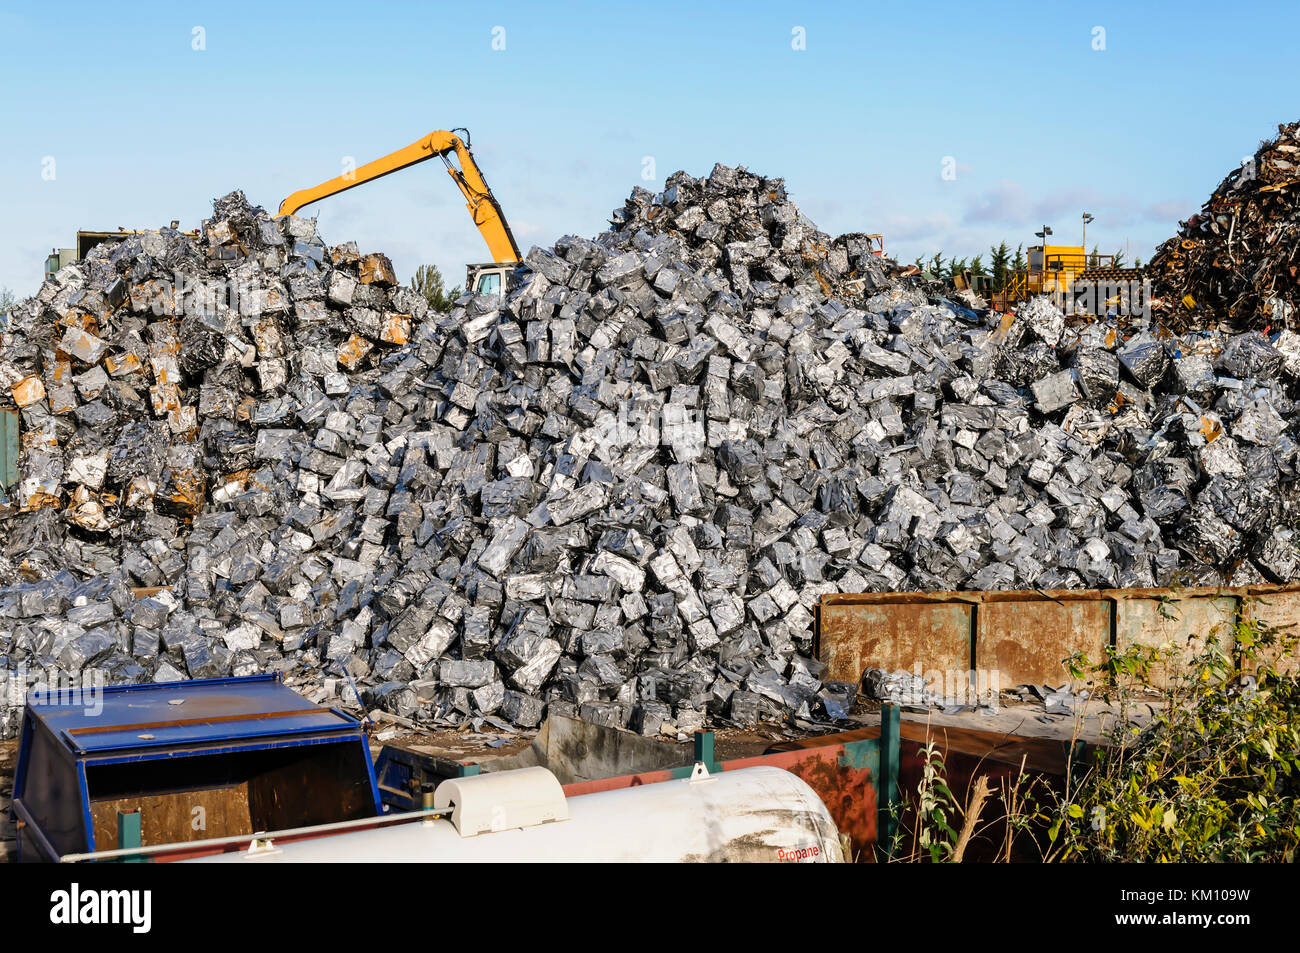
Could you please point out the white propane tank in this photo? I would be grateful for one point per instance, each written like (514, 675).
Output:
(751, 814)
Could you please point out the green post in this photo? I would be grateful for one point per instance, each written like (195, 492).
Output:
(887, 785)
(129, 834)
(704, 749)
(9, 451)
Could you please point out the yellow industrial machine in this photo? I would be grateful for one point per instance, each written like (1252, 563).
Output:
(1051, 268)
(1054, 269)
(487, 278)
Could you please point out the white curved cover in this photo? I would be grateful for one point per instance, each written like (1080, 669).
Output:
(749, 814)
(503, 801)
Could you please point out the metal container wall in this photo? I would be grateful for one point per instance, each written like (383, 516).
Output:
(1023, 636)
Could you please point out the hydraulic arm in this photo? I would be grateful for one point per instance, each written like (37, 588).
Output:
(480, 201)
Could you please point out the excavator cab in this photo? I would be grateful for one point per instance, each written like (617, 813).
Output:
(490, 278)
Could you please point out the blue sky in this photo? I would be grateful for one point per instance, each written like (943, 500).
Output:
(142, 128)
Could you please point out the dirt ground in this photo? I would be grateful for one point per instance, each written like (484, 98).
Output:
(1027, 719)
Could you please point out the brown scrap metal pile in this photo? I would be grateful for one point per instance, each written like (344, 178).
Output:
(1235, 262)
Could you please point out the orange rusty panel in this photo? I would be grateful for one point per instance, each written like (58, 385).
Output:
(351, 351)
(376, 269)
(1184, 623)
(856, 636)
(28, 391)
(1023, 635)
(1282, 610)
(396, 328)
(1025, 641)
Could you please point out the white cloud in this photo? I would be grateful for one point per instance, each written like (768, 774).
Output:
(905, 228)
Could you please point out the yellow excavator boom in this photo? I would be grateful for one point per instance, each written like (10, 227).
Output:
(480, 201)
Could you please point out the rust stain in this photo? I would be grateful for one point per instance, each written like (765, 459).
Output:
(39, 440)
(140, 491)
(165, 397)
(272, 300)
(1024, 634)
(87, 511)
(1211, 429)
(152, 295)
(40, 500)
(182, 491)
(849, 796)
(821, 280)
(351, 351)
(376, 269)
(120, 365)
(266, 335)
(1026, 641)
(28, 391)
(396, 328)
(895, 636)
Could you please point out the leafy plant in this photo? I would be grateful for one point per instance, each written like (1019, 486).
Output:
(428, 282)
(1215, 775)
(936, 805)
(1212, 776)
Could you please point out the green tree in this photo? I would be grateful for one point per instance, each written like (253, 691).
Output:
(8, 300)
(999, 258)
(1094, 259)
(977, 265)
(1137, 262)
(955, 267)
(1118, 261)
(428, 282)
(1018, 263)
(936, 265)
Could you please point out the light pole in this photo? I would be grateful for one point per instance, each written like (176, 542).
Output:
(1042, 264)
